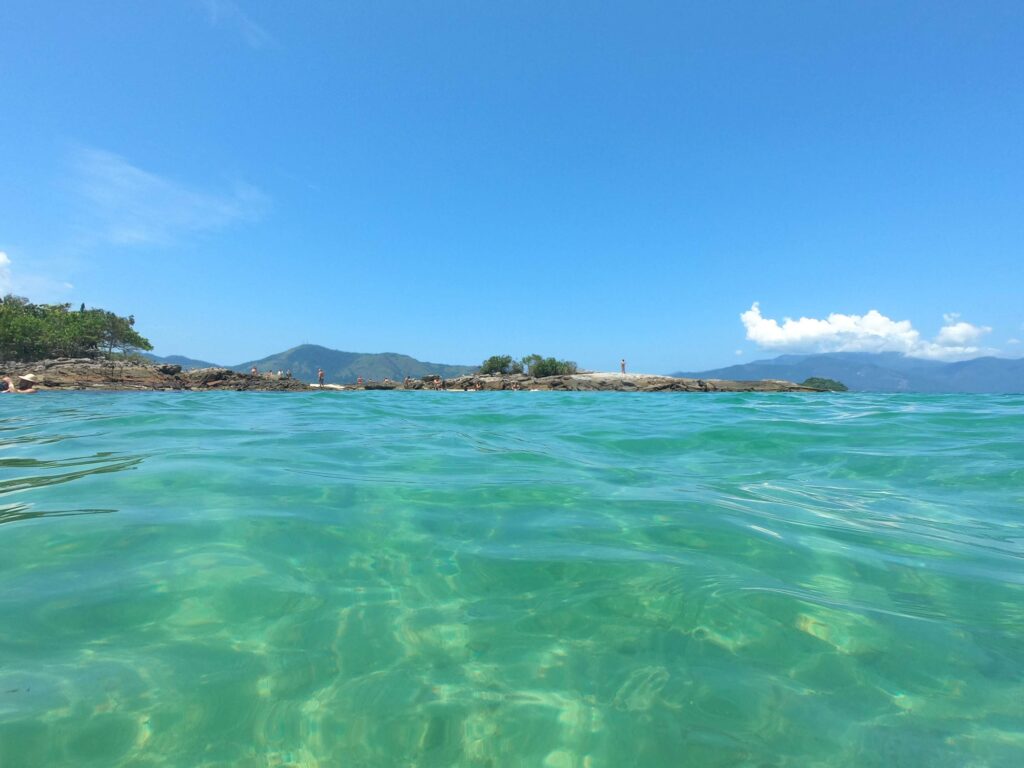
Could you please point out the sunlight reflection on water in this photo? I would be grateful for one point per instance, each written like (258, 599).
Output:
(564, 580)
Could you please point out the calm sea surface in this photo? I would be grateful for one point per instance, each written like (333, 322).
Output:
(511, 579)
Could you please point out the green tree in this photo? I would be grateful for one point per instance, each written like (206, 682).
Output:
(529, 361)
(501, 364)
(36, 331)
(21, 329)
(827, 385)
(119, 333)
(539, 367)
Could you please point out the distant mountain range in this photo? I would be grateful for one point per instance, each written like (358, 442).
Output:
(884, 372)
(184, 362)
(339, 367)
(860, 371)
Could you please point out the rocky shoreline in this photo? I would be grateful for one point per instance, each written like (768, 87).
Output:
(585, 382)
(75, 373)
(84, 374)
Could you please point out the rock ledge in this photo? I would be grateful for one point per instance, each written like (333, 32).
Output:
(73, 373)
(580, 382)
(83, 373)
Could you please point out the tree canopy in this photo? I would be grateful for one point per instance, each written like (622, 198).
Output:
(39, 331)
(501, 364)
(829, 385)
(535, 365)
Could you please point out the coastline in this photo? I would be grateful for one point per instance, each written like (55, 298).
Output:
(580, 382)
(128, 376)
(84, 374)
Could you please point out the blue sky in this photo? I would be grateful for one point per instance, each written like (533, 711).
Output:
(588, 180)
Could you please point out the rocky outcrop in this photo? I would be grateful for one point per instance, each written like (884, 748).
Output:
(129, 375)
(83, 373)
(591, 382)
(223, 378)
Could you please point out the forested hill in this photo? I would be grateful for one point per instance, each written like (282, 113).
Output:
(884, 372)
(345, 367)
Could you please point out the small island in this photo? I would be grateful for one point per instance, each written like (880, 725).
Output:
(825, 385)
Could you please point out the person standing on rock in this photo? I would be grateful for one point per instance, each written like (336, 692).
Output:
(622, 365)
(320, 377)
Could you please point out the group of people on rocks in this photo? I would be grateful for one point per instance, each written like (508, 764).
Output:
(270, 373)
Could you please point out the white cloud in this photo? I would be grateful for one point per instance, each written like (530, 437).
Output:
(5, 274)
(1013, 341)
(227, 13)
(132, 206)
(960, 333)
(871, 332)
(738, 352)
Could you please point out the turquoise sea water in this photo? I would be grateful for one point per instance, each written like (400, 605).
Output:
(506, 579)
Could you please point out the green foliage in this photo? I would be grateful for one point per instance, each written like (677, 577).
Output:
(119, 333)
(539, 367)
(501, 364)
(535, 365)
(828, 385)
(529, 362)
(37, 331)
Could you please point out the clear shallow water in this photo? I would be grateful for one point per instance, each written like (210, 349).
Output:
(502, 579)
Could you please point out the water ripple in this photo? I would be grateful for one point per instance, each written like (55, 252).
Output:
(555, 579)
